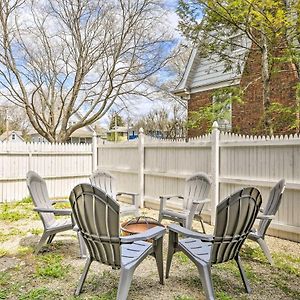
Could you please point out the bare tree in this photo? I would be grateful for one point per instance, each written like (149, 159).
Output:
(160, 123)
(59, 57)
(173, 73)
(13, 118)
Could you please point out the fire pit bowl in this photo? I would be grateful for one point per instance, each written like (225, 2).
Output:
(138, 225)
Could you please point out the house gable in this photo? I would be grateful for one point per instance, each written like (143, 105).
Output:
(208, 73)
(246, 116)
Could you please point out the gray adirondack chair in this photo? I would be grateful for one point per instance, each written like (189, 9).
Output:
(196, 191)
(43, 205)
(97, 216)
(266, 218)
(108, 183)
(234, 219)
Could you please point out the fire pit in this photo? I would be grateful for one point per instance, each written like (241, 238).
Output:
(138, 225)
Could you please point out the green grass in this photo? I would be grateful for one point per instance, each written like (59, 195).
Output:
(3, 294)
(3, 252)
(253, 253)
(282, 283)
(23, 251)
(287, 263)
(223, 296)
(4, 278)
(183, 298)
(110, 295)
(182, 257)
(230, 266)
(36, 231)
(26, 200)
(5, 236)
(50, 265)
(39, 294)
(15, 211)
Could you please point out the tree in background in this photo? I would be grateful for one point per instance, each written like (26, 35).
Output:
(13, 118)
(272, 26)
(59, 57)
(116, 120)
(159, 123)
(173, 72)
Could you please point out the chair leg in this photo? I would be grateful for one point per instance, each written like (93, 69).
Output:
(83, 276)
(160, 217)
(41, 242)
(173, 240)
(243, 274)
(188, 223)
(205, 277)
(266, 250)
(202, 225)
(50, 239)
(158, 253)
(124, 283)
(82, 246)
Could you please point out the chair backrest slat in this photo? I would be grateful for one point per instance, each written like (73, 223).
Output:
(39, 193)
(272, 206)
(235, 217)
(104, 181)
(197, 188)
(97, 216)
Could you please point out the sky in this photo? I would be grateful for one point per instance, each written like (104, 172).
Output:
(139, 107)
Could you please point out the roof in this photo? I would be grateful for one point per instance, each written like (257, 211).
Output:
(207, 73)
(82, 132)
(5, 135)
(118, 129)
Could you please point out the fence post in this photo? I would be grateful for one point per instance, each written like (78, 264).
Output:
(141, 150)
(215, 170)
(94, 151)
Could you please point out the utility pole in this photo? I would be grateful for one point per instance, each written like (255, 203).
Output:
(115, 127)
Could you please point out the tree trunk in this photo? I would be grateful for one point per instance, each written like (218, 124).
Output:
(266, 78)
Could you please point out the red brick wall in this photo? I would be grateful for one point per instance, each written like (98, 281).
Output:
(246, 116)
(196, 101)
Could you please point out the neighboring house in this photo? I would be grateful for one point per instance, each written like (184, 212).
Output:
(119, 133)
(11, 136)
(81, 135)
(101, 132)
(204, 76)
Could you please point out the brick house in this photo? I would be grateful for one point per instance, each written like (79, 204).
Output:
(204, 76)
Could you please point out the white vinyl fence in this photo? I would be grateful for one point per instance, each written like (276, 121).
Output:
(61, 165)
(154, 167)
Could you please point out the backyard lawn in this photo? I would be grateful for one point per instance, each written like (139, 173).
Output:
(54, 273)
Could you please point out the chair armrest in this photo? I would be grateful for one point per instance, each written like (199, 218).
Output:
(168, 197)
(189, 233)
(261, 210)
(59, 212)
(127, 193)
(133, 196)
(153, 233)
(201, 201)
(265, 217)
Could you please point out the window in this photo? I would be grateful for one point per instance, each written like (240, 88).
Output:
(13, 136)
(222, 106)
